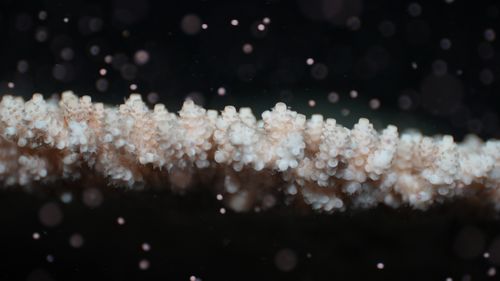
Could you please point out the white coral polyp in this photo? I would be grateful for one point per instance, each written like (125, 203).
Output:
(317, 161)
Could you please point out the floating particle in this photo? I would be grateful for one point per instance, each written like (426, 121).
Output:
(261, 27)
(311, 103)
(94, 50)
(221, 91)
(247, 48)
(67, 54)
(219, 197)
(222, 211)
(66, 197)
(486, 76)
(405, 102)
(146, 247)
(204, 26)
(66, 19)
(36, 235)
(10, 85)
(440, 67)
(41, 34)
(133, 87)
(489, 35)
(333, 97)
(22, 66)
(353, 94)
(319, 71)
(191, 24)
(353, 23)
(310, 61)
(153, 97)
(374, 104)
(50, 258)
(144, 264)
(449, 279)
(414, 9)
(141, 57)
(449, 1)
(380, 265)
(285, 260)
(120, 220)
(387, 28)
(345, 112)
(486, 255)
(234, 22)
(103, 71)
(42, 15)
(50, 214)
(92, 197)
(491, 272)
(76, 240)
(108, 59)
(266, 20)
(414, 65)
(102, 84)
(194, 278)
(445, 44)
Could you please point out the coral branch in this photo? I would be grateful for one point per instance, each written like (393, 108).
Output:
(252, 162)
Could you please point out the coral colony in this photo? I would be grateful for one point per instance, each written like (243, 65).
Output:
(248, 163)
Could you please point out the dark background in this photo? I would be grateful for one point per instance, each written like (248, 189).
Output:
(432, 65)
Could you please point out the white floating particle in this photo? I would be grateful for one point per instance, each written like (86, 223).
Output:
(204, 26)
(374, 104)
(492, 272)
(145, 247)
(247, 48)
(310, 61)
(221, 91)
(333, 97)
(261, 27)
(353, 94)
(120, 220)
(312, 103)
(234, 22)
(103, 71)
(266, 20)
(144, 264)
(36, 235)
(219, 197)
(380, 265)
(222, 211)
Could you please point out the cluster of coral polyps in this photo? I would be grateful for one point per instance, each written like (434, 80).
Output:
(251, 163)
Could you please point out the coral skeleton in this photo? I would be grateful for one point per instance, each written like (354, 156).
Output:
(252, 163)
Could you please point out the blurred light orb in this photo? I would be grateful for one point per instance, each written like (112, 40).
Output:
(191, 24)
(141, 57)
(76, 240)
(50, 214)
(92, 197)
(285, 260)
(247, 48)
(319, 71)
(144, 264)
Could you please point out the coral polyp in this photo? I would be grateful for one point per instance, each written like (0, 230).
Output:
(251, 162)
